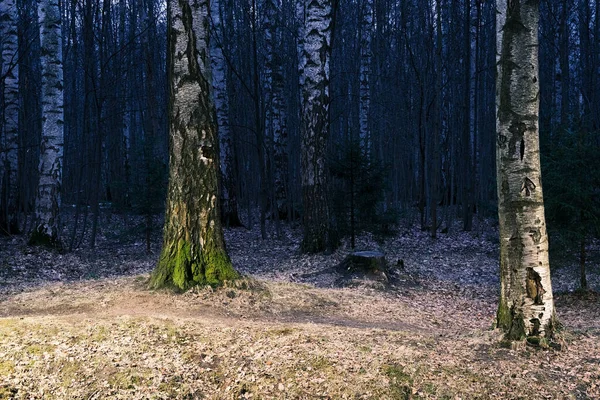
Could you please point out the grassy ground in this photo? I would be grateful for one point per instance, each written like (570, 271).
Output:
(114, 339)
(82, 325)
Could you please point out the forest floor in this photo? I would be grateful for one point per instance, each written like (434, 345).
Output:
(82, 325)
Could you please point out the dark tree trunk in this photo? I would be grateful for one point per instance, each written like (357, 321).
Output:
(193, 248)
(315, 125)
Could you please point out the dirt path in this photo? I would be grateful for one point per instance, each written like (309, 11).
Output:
(264, 302)
(114, 339)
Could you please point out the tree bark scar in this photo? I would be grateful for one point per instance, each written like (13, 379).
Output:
(528, 186)
(536, 235)
(187, 20)
(535, 327)
(505, 187)
(535, 291)
(510, 5)
(502, 140)
(208, 152)
(518, 129)
(522, 148)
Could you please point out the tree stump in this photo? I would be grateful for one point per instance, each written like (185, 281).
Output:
(370, 264)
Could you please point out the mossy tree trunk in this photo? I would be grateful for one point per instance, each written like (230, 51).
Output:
(47, 204)
(526, 305)
(193, 249)
(315, 61)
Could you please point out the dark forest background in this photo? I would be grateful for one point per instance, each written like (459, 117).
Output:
(412, 114)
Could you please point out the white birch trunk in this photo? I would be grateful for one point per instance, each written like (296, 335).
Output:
(526, 307)
(366, 55)
(47, 226)
(315, 122)
(9, 73)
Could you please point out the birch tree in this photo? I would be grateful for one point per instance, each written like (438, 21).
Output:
(279, 143)
(316, 54)
(526, 308)
(274, 109)
(9, 124)
(366, 55)
(47, 226)
(193, 245)
(219, 75)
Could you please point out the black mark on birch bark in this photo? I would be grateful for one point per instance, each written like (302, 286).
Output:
(535, 329)
(535, 291)
(536, 235)
(505, 186)
(522, 149)
(528, 186)
(502, 141)
(518, 129)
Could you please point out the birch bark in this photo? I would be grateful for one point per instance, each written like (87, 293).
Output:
(193, 248)
(526, 307)
(47, 207)
(366, 55)
(275, 123)
(316, 54)
(280, 135)
(9, 125)
(219, 75)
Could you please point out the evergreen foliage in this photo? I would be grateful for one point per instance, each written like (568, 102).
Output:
(572, 190)
(358, 195)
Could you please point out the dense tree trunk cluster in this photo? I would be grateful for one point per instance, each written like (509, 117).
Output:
(339, 115)
(412, 80)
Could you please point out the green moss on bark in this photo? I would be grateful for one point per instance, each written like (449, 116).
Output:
(179, 269)
(503, 316)
(517, 328)
(218, 268)
(513, 325)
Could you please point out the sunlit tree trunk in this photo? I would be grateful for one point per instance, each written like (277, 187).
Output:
(47, 226)
(526, 307)
(9, 113)
(316, 56)
(193, 248)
